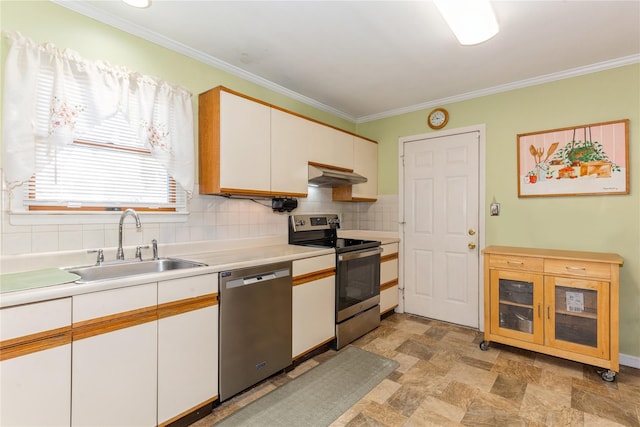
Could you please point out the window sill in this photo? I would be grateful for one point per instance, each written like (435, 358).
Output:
(65, 218)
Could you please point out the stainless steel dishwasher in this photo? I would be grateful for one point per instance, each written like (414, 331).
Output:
(255, 325)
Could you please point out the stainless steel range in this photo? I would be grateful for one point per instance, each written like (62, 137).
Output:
(357, 273)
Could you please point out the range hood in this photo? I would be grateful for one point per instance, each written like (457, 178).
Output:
(325, 177)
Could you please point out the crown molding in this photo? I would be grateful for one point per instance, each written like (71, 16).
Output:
(131, 28)
(154, 37)
(546, 78)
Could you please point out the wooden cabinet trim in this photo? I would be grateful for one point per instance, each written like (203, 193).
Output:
(389, 284)
(313, 276)
(315, 347)
(609, 258)
(174, 308)
(393, 307)
(258, 193)
(389, 257)
(223, 88)
(337, 168)
(188, 411)
(102, 325)
(209, 153)
(345, 194)
(33, 343)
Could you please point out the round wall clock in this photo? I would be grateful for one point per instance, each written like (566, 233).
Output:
(438, 118)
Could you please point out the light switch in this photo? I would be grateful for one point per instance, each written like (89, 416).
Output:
(495, 209)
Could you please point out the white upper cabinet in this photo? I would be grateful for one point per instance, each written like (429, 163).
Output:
(331, 147)
(234, 144)
(245, 128)
(365, 158)
(239, 153)
(248, 147)
(289, 152)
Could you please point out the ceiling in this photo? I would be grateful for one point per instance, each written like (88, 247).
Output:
(364, 60)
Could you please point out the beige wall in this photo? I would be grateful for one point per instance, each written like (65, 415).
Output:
(602, 223)
(589, 223)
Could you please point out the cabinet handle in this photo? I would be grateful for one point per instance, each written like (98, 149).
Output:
(548, 312)
(515, 262)
(575, 268)
(539, 310)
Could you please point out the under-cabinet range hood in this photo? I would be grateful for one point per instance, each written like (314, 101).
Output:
(325, 177)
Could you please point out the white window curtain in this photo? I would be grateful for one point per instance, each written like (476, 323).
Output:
(160, 113)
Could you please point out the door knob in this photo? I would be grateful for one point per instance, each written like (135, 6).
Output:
(471, 245)
(472, 232)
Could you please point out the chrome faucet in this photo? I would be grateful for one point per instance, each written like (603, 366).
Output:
(120, 254)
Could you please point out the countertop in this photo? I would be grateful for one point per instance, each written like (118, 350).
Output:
(219, 256)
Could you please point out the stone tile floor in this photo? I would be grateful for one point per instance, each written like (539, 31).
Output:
(444, 379)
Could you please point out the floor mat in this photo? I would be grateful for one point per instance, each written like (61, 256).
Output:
(317, 397)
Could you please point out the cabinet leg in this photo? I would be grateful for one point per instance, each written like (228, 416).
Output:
(484, 345)
(607, 375)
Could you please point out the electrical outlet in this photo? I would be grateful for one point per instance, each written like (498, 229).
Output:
(495, 209)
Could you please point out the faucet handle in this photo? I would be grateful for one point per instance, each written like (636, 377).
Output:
(139, 251)
(154, 242)
(100, 257)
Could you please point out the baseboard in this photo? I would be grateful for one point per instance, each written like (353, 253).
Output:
(631, 361)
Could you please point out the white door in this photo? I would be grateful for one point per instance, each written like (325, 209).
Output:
(441, 214)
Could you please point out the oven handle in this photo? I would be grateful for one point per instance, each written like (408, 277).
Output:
(359, 254)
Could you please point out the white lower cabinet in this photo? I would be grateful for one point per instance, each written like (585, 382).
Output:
(389, 278)
(115, 348)
(313, 303)
(35, 364)
(187, 345)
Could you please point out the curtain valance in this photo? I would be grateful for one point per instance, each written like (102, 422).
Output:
(88, 92)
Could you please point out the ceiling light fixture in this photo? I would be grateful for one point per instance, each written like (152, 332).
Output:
(472, 21)
(138, 3)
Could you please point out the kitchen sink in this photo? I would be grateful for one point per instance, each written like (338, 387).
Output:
(124, 269)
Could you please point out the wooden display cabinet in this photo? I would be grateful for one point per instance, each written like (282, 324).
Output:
(562, 303)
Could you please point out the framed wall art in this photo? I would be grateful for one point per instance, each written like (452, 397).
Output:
(581, 160)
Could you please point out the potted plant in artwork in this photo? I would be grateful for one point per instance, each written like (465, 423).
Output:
(587, 156)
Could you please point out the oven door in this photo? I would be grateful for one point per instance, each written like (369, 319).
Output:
(357, 282)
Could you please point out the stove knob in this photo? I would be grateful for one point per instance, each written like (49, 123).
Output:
(300, 222)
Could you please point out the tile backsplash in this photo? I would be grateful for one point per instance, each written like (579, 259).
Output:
(210, 218)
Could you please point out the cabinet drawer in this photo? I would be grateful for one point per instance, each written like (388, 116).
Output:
(114, 302)
(578, 268)
(305, 266)
(389, 248)
(34, 318)
(516, 262)
(187, 287)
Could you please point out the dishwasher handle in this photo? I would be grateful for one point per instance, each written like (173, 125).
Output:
(257, 278)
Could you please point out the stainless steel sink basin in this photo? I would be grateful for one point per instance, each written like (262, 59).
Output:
(130, 268)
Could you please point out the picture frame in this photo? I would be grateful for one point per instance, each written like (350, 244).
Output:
(583, 160)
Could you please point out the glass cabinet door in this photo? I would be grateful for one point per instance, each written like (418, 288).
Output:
(517, 298)
(575, 312)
